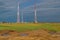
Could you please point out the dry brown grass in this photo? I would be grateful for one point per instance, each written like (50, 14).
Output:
(41, 34)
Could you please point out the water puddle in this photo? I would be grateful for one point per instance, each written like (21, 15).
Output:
(4, 34)
(52, 32)
(24, 34)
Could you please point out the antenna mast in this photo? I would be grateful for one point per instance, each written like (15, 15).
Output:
(18, 15)
(35, 12)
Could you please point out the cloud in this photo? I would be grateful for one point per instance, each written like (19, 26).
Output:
(46, 9)
(45, 6)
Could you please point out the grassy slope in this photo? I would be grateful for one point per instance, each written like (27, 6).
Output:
(30, 26)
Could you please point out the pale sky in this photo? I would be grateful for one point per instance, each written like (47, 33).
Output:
(47, 10)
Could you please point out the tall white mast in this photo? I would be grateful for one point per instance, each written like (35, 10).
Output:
(35, 16)
(35, 12)
(18, 15)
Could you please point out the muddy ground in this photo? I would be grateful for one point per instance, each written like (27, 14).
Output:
(41, 34)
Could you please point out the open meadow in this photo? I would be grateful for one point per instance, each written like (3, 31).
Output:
(30, 31)
(29, 26)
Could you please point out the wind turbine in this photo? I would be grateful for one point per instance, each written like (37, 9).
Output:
(18, 14)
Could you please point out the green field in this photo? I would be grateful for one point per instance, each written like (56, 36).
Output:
(30, 26)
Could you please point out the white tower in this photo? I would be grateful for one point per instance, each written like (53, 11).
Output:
(35, 16)
(18, 14)
(35, 12)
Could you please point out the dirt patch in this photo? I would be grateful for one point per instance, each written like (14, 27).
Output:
(41, 34)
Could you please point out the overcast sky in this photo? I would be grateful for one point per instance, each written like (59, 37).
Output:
(47, 10)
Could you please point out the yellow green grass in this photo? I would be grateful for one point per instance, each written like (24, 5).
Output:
(30, 26)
